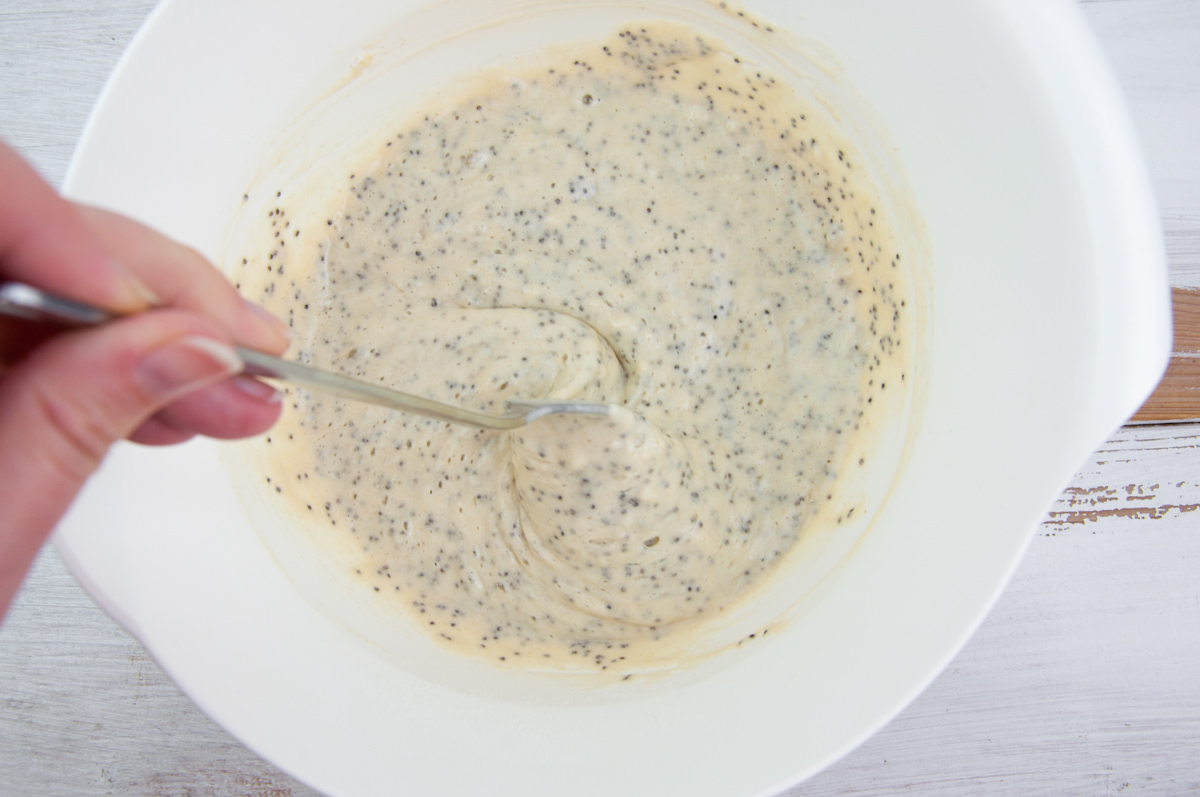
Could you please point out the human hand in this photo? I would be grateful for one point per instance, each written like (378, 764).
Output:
(156, 377)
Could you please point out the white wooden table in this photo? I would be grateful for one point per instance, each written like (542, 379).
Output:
(1085, 679)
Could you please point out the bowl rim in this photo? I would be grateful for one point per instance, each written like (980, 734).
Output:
(1058, 45)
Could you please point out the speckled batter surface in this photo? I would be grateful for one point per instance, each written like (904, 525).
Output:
(646, 221)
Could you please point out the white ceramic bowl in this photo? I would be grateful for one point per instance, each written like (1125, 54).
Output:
(1047, 320)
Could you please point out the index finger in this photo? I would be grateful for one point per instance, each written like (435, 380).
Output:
(45, 242)
(182, 278)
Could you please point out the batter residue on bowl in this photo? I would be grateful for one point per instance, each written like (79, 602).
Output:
(647, 221)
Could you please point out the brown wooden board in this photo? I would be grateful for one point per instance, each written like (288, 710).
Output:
(1177, 397)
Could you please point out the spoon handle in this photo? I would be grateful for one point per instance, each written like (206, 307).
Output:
(24, 301)
(259, 364)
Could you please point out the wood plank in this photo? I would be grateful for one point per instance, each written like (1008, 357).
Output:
(1177, 397)
(1082, 680)
(86, 712)
(1161, 470)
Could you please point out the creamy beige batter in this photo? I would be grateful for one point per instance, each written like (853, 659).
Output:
(646, 221)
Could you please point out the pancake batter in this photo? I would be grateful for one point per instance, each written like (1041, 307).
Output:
(648, 222)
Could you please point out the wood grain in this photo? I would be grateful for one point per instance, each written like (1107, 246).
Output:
(1083, 679)
(1177, 397)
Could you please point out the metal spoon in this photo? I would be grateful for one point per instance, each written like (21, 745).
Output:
(24, 301)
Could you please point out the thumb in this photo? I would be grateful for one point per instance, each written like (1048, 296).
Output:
(69, 400)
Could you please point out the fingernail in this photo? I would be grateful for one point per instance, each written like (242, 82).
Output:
(139, 294)
(257, 390)
(272, 324)
(186, 365)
